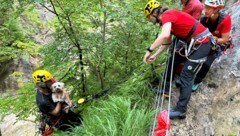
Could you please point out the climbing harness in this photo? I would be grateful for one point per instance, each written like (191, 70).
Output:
(47, 124)
(195, 43)
(227, 46)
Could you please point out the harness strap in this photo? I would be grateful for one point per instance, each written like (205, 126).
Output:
(190, 48)
(57, 120)
(191, 31)
(188, 36)
(50, 130)
(203, 34)
(213, 26)
(202, 60)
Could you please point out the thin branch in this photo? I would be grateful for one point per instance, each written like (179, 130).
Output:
(48, 8)
(59, 19)
(52, 11)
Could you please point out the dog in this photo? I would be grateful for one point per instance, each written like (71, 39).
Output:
(58, 89)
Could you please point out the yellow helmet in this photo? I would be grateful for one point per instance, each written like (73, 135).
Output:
(150, 6)
(41, 76)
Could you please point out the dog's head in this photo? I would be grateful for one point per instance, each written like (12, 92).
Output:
(57, 87)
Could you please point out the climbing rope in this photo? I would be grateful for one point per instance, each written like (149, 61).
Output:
(158, 96)
(163, 83)
(170, 85)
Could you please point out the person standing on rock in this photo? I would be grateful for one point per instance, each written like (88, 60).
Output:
(192, 7)
(50, 110)
(174, 22)
(219, 24)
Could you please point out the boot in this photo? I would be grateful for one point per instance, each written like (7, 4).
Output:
(165, 94)
(160, 92)
(174, 114)
(195, 87)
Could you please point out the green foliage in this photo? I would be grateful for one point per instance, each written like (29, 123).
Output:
(7, 53)
(14, 44)
(111, 37)
(114, 37)
(117, 116)
(126, 111)
(13, 40)
(113, 44)
(22, 103)
(232, 134)
(137, 87)
(30, 22)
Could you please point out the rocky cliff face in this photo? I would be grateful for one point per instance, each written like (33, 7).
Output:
(215, 108)
(6, 68)
(10, 82)
(11, 125)
(25, 66)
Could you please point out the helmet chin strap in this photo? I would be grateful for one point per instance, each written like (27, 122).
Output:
(156, 17)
